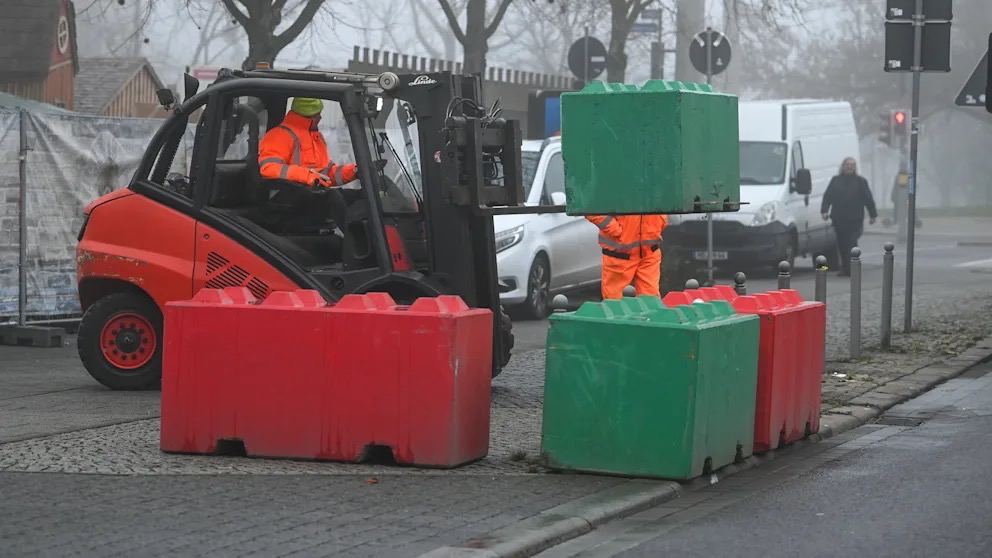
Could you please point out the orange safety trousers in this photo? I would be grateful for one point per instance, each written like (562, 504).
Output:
(643, 271)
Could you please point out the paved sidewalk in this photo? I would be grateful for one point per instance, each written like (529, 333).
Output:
(80, 467)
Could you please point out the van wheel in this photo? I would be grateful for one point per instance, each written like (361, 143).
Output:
(120, 342)
(538, 289)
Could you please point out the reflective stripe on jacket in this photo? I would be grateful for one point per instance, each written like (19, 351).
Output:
(629, 235)
(292, 151)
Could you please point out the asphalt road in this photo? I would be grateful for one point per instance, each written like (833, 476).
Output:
(948, 252)
(891, 489)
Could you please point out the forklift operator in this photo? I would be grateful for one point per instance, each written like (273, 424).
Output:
(296, 151)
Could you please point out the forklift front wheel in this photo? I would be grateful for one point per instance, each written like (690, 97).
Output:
(120, 342)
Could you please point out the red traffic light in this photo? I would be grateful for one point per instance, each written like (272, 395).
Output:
(899, 117)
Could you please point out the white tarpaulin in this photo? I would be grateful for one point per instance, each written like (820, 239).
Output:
(72, 159)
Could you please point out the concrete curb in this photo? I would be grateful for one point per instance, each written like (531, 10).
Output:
(578, 517)
(870, 405)
(567, 521)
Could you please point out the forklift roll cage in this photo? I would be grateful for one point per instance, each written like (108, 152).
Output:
(461, 149)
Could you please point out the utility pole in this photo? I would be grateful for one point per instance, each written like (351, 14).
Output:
(914, 144)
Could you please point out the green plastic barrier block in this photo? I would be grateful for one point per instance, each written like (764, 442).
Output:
(636, 388)
(665, 147)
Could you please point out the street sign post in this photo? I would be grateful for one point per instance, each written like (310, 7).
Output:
(587, 58)
(973, 93)
(709, 53)
(903, 10)
(644, 27)
(927, 22)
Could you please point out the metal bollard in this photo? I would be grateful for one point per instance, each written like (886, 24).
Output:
(740, 283)
(855, 302)
(784, 275)
(629, 291)
(888, 269)
(691, 284)
(821, 279)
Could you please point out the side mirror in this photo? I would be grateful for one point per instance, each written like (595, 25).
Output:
(166, 97)
(803, 182)
(558, 198)
(191, 85)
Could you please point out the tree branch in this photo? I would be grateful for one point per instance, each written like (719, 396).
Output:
(237, 14)
(500, 12)
(453, 21)
(306, 16)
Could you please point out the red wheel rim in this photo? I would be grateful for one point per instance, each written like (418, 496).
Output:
(128, 340)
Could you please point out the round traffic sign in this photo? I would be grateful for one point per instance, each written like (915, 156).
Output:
(719, 52)
(587, 56)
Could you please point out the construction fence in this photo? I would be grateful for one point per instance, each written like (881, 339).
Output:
(68, 160)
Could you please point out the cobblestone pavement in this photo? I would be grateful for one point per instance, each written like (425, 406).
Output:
(263, 515)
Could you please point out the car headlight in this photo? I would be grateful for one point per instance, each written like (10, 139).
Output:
(766, 214)
(509, 238)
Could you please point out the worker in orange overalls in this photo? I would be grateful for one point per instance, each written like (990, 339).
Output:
(296, 151)
(631, 252)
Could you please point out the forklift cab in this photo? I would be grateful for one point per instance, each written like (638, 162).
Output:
(433, 166)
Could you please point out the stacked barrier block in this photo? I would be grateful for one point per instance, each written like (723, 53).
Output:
(665, 147)
(790, 360)
(635, 388)
(293, 377)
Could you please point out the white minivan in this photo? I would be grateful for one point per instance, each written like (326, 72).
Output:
(543, 254)
(779, 220)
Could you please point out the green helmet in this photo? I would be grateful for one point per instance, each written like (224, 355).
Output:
(305, 106)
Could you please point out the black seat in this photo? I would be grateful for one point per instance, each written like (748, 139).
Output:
(237, 183)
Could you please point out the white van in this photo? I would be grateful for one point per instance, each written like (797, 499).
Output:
(778, 140)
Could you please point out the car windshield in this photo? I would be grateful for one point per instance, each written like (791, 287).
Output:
(762, 163)
(529, 161)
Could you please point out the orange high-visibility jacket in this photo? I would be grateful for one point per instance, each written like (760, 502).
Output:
(626, 236)
(293, 151)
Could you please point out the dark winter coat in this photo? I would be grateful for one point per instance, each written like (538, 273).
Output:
(846, 199)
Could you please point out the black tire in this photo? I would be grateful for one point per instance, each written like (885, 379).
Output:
(131, 341)
(538, 303)
(506, 331)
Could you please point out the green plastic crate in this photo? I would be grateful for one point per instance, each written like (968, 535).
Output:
(665, 147)
(635, 388)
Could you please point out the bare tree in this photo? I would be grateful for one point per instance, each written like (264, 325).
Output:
(436, 28)
(474, 37)
(540, 33)
(623, 15)
(261, 18)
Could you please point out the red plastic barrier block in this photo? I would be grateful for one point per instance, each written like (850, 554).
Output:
(790, 360)
(292, 377)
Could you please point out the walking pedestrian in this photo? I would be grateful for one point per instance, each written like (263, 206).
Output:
(844, 203)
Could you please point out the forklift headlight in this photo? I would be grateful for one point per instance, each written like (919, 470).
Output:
(509, 238)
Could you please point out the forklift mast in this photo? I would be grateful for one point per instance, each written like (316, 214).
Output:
(470, 163)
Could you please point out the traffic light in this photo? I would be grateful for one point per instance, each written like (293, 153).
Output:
(885, 127)
(900, 125)
(893, 127)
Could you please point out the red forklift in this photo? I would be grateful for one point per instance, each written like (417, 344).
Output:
(434, 165)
